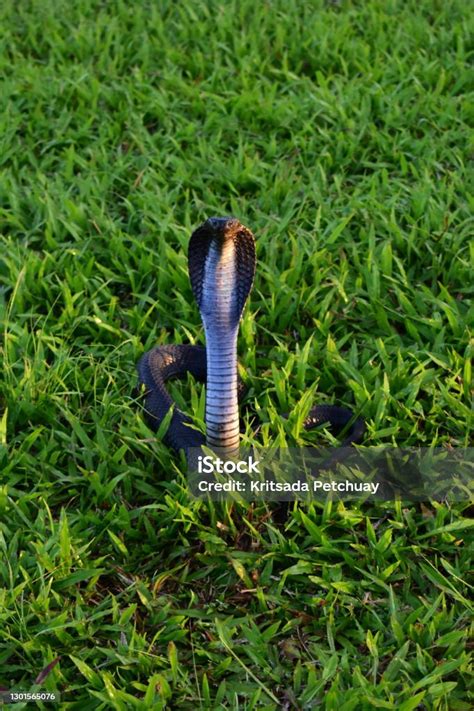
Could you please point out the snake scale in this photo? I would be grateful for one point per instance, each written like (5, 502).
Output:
(221, 264)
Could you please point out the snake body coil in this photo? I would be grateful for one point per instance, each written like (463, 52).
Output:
(221, 261)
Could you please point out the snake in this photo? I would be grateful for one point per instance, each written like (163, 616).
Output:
(221, 267)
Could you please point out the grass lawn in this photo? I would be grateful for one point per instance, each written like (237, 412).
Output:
(339, 133)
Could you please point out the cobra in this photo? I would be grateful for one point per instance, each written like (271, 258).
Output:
(221, 265)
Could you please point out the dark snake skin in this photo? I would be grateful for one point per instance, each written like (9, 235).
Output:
(221, 263)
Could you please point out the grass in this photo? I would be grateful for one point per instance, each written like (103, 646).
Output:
(339, 133)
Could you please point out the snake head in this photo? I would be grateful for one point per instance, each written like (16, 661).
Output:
(221, 261)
